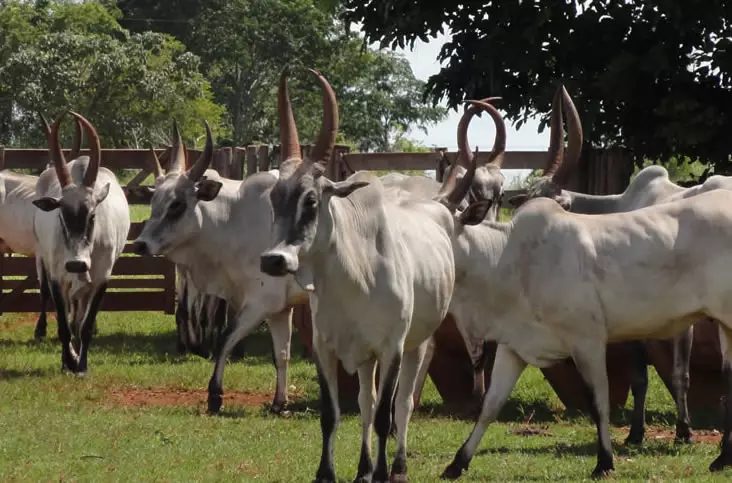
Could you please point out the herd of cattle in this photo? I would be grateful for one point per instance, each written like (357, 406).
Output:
(383, 260)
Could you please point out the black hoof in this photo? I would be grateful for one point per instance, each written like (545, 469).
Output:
(278, 408)
(363, 479)
(634, 439)
(215, 401)
(39, 335)
(453, 471)
(381, 475)
(398, 478)
(601, 472)
(683, 436)
(325, 476)
(723, 461)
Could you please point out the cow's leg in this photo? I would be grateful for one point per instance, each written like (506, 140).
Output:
(327, 366)
(591, 364)
(389, 366)
(639, 388)
(41, 325)
(404, 403)
(280, 328)
(680, 383)
(725, 456)
(507, 368)
(249, 318)
(181, 321)
(87, 327)
(68, 362)
(479, 365)
(423, 371)
(366, 398)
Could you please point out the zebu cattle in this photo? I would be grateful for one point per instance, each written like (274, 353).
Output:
(216, 228)
(651, 186)
(552, 284)
(80, 227)
(17, 192)
(378, 266)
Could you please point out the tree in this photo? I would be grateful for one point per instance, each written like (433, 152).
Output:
(654, 75)
(245, 44)
(76, 56)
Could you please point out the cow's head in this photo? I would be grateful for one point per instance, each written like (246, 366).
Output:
(78, 203)
(488, 180)
(302, 190)
(174, 218)
(559, 166)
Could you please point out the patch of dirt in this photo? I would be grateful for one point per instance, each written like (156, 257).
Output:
(668, 434)
(170, 396)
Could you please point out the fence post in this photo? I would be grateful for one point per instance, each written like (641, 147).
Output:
(251, 159)
(2, 157)
(263, 157)
(605, 171)
(237, 163)
(222, 162)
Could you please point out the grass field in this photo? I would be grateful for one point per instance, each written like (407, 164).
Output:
(139, 415)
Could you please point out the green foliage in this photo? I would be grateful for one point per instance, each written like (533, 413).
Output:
(680, 169)
(245, 44)
(655, 76)
(76, 56)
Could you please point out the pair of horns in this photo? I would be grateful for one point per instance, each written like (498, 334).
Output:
(178, 156)
(499, 144)
(453, 191)
(559, 166)
(57, 155)
(290, 144)
(76, 143)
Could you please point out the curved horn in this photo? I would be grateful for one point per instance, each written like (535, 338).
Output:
(157, 167)
(498, 148)
(574, 142)
(323, 149)
(555, 155)
(95, 150)
(76, 146)
(204, 160)
(45, 127)
(499, 144)
(57, 155)
(289, 142)
(176, 163)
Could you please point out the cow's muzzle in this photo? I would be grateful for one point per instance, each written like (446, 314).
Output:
(276, 264)
(77, 266)
(140, 248)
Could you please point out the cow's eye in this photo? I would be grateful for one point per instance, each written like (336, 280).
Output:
(310, 200)
(176, 209)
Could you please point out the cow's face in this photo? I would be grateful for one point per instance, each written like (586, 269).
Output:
(76, 208)
(174, 218)
(543, 187)
(487, 186)
(298, 202)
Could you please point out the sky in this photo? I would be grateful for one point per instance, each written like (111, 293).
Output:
(423, 60)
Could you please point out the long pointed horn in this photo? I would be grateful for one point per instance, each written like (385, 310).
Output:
(95, 150)
(289, 142)
(555, 156)
(57, 155)
(499, 144)
(323, 149)
(176, 163)
(157, 168)
(204, 160)
(574, 143)
(45, 127)
(462, 130)
(76, 146)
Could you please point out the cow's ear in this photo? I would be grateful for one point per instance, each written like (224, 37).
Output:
(47, 203)
(518, 200)
(208, 189)
(101, 195)
(342, 189)
(475, 213)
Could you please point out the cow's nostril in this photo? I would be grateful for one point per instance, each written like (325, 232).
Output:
(76, 266)
(140, 248)
(273, 264)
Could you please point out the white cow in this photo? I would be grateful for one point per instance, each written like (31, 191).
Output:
(379, 269)
(552, 284)
(80, 227)
(651, 186)
(216, 228)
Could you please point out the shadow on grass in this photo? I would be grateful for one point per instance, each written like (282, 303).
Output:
(10, 374)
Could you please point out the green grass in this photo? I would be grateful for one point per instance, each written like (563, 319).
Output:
(55, 426)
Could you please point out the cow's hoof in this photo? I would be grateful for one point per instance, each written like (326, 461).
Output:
(39, 335)
(362, 479)
(324, 477)
(453, 471)
(634, 439)
(723, 461)
(398, 478)
(215, 401)
(601, 472)
(279, 408)
(683, 436)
